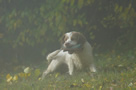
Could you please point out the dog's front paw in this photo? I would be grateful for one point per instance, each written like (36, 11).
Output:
(92, 69)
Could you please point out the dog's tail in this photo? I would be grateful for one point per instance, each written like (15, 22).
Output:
(52, 55)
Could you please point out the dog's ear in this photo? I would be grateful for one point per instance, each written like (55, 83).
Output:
(62, 39)
(81, 38)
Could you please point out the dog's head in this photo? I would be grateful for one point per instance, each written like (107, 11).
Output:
(72, 41)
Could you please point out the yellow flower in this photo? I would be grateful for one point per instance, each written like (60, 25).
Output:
(15, 78)
(39, 79)
(9, 78)
(73, 85)
(56, 75)
(100, 88)
(37, 72)
(27, 74)
(21, 74)
(87, 85)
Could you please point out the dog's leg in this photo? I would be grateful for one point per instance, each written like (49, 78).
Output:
(92, 68)
(52, 55)
(52, 66)
(70, 66)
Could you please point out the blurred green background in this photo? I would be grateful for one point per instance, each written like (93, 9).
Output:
(30, 29)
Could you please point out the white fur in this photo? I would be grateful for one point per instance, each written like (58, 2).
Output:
(82, 59)
(69, 34)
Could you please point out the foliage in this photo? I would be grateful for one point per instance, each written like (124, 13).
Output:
(37, 24)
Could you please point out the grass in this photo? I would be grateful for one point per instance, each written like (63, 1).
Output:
(114, 72)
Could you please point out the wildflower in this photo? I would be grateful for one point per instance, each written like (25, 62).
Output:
(100, 88)
(131, 84)
(39, 79)
(27, 74)
(74, 85)
(56, 75)
(87, 85)
(15, 78)
(27, 70)
(9, 79)
(21, 74)
(82, 80)
(120, 65)
(37, 72)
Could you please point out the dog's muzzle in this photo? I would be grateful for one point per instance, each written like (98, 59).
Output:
(71, 49)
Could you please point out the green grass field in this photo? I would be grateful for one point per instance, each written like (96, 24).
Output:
(114, 72)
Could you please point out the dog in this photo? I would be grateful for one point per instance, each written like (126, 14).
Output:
(76, 52)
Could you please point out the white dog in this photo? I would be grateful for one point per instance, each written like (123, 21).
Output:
(75, 52)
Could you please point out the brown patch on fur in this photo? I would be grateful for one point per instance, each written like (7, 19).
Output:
(63, 39)
(79, 37)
